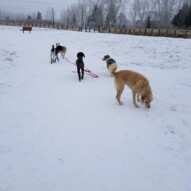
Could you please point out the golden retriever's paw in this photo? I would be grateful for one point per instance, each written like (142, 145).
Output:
(121, 103)
(136, 106)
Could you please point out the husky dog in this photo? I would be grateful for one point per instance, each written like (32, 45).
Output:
(52, 54)
(111, 63)
(60, 49)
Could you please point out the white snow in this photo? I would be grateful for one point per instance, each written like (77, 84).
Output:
(59, 134)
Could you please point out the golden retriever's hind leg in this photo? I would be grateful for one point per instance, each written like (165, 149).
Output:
(134, 99)
(138, 97)
(118, 96)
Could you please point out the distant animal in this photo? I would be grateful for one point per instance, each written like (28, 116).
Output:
(27, 28)
(52, 54)
(110, 62)
(60, 49)
(138, 83)
(80, 65)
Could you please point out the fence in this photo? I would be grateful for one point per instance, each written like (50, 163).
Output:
(41, 25)
(176, 33)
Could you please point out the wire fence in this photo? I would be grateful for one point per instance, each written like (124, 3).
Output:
(175, 33)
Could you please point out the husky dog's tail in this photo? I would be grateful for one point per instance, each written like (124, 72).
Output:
(112, 69)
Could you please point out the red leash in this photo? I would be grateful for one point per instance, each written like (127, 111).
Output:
(69, 61)
(86, 70)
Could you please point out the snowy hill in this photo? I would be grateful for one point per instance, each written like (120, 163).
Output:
(57, 133)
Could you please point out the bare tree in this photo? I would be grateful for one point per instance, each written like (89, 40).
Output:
(84, 8)
(50, 14)
(141, 10)
(135, 6)
(163, 11)
(181, 3)
(166, 10)
(113, 9)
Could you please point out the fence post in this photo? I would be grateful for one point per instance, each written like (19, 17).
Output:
(158, 32)
(139, 31)
(145, 31)
(134, 31)
(174, 34)
(152, 32)
(166, 32)
(185, 33)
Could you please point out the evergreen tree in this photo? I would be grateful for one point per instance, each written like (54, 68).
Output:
(122, 20)
(96, 18)
(148, 23)
(29, 18)
(74, 20)
(183, 17)
(188, 19)
(111, 17)
(39, 16)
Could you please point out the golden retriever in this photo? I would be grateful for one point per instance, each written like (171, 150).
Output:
(136, 82)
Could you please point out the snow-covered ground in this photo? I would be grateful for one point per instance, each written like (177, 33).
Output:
(59, 134)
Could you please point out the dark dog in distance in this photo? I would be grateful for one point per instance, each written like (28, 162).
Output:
(80, 65)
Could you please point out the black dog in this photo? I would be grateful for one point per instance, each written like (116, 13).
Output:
(80, 65)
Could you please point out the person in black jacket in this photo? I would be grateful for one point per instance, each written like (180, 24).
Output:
(80, 65)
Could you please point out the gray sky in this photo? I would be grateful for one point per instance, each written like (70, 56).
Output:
(30, 6)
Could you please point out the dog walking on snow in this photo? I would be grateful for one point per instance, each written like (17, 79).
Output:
(138, 83)
(80, 65)
(60, 49)
(110, 62)
(54, 52)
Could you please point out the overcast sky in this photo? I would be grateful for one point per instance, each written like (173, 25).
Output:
(31, 6)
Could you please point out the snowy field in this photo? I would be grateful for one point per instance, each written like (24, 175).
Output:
(59, 134)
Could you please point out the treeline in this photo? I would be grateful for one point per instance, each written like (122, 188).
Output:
(124, 13)
(117, 13)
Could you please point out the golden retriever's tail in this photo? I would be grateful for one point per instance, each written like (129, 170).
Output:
(112, 69)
